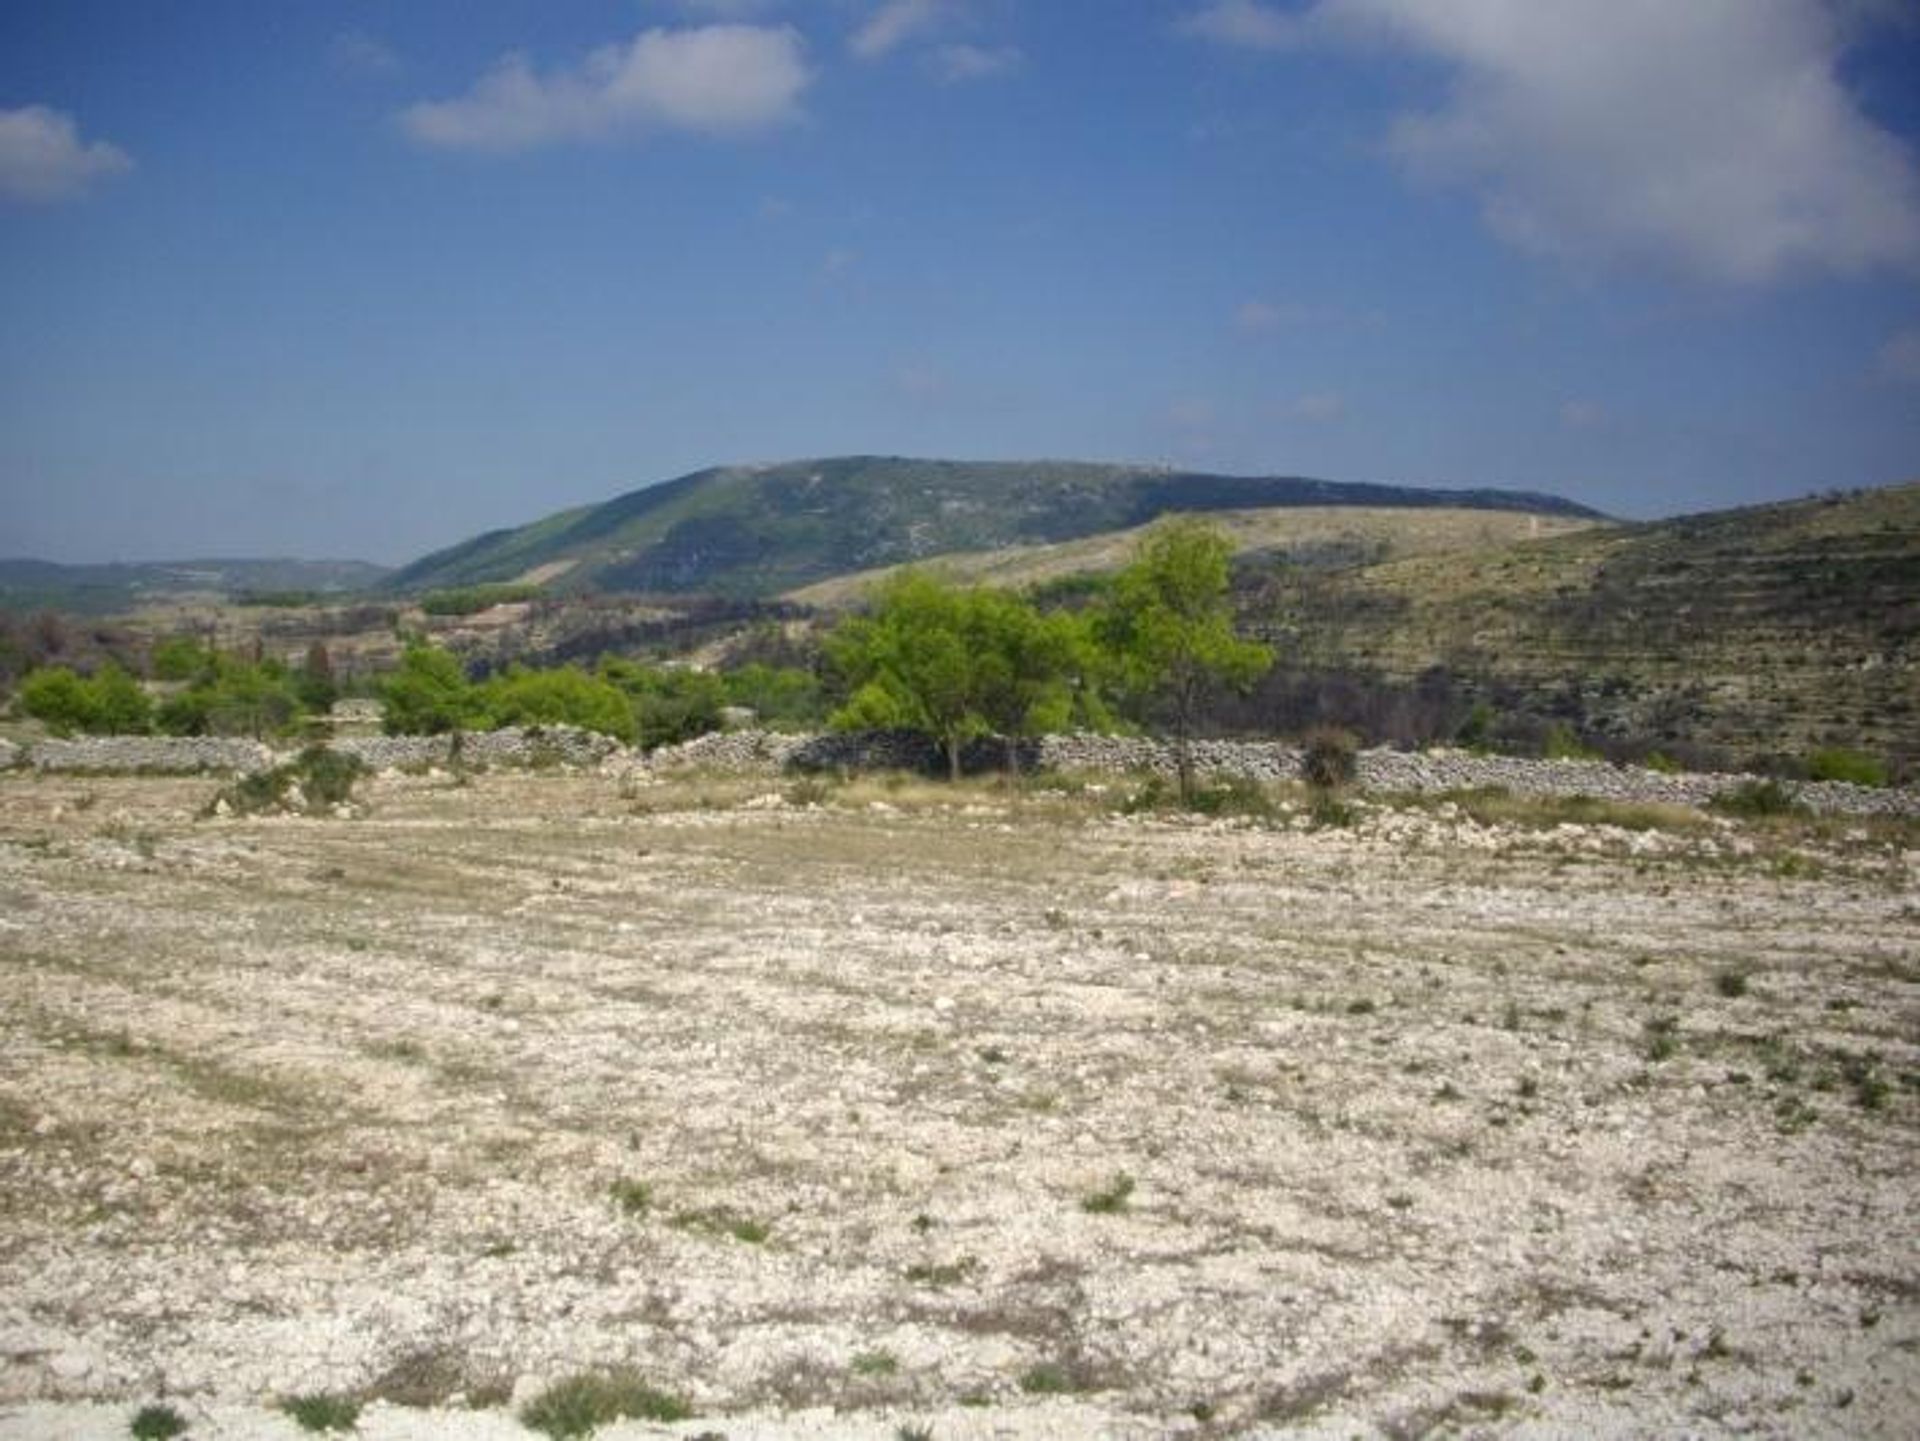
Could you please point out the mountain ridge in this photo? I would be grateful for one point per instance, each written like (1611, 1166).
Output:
(764, 529)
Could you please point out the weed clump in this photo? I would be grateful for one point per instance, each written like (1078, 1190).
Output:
(1331, 760)
(1757, 800)
(1854, 767)
(157, 1423)
(312, 783)
(579, 1405)
(1111, 1199)
(322, 1411)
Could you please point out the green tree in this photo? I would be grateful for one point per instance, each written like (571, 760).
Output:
(428, 695)
(314, 682)
(1168, 625)
(957, 663)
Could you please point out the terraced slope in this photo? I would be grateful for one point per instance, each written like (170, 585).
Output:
(1323, 536)
(1779, 626)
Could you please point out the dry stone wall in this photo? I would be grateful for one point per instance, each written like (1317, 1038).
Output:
(755, 752)
(766, 753)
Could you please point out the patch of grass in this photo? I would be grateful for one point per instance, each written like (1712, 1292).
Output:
(1660, 1038)
(1853, 767)
(875, 1363)
(322, 1411)
(631, 1196)
(940, 1274)
(1757, 800)
(157, 1423)
(1731, 983)
(579, 1405)
(1048, 1379)
(1871, 1090)
(1112, 1199)
(720, 1221)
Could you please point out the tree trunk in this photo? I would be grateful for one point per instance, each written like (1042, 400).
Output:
(953, 755)
(1013, 757)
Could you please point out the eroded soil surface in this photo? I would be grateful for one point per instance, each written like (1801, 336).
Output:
(987, 1116)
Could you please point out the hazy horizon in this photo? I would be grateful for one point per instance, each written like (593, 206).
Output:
(360, 281)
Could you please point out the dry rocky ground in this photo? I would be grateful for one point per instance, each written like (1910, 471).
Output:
(918, 1111)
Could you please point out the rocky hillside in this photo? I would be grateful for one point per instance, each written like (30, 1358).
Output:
(761, 530)
(1775, 627)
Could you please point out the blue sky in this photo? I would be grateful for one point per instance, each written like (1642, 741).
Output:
(363, 279)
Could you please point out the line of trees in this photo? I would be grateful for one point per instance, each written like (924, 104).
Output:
(213, 693)
(1149, 647)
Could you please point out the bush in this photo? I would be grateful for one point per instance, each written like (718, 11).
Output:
(1561, 744)
(1231, 796)
(1854, 767)
(157, 1423)
(671, 704)
(1757, 799)
(108, 703)
(580, 1404)
(566, 696)
(323, 778)
(1332, 759)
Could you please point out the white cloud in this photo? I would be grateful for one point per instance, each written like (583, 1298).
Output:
(1713, 136)
(355, 52)
(1246, 24)
(895, 23)
(1320, 405)
(1262, 317)
(729, 9)
(42, 158)
(977, 62)
(1900, 356)
(715, 80)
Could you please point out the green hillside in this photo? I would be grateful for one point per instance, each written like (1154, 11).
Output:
(762, 530)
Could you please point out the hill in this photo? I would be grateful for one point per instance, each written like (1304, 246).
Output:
(1333, 536)
(1771, 628)
(762, 530)
(124, 586)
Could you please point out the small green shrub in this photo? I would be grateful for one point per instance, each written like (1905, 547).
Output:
(1112, 1199)
(1331, 759)
(323, 1411)
(1231, 796)
(1561, 744)
(1854, 767)
(1731, 983)
(1047, 1379)
(632, 1197)
(875, 1363)
(1757, 800)
(323, 778)
(579, 1405)
(157, 1423)
(1661, 1038)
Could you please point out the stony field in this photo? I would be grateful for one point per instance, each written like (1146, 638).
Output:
(893, 1110)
